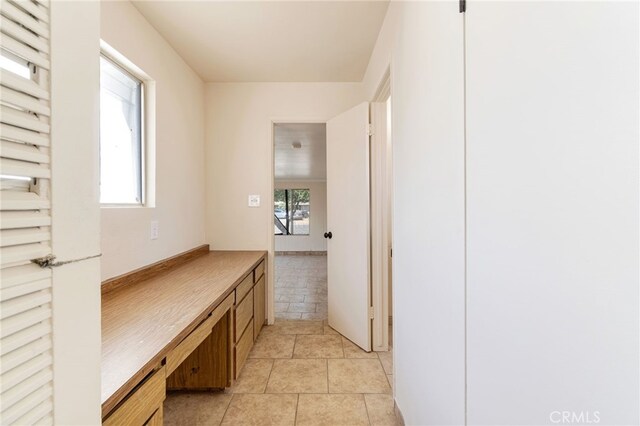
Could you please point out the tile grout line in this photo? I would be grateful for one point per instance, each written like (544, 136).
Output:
(366, 408)
(295, 342)
(295, 417)
(384, 372)
(226, 409)
(273, 362)
(327, 363)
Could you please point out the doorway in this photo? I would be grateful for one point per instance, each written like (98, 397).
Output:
(381, 165)
(299, 216)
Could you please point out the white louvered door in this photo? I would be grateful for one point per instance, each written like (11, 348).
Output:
(26, 377)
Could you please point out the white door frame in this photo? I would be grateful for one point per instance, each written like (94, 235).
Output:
(380, 217)
(270, 299)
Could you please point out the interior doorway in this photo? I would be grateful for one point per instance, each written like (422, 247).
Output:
(299, 216)
(382, 218)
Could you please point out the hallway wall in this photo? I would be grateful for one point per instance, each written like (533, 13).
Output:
(239, 153)
(552, 196)
(179, 150)
(423, 41)
(546, 185)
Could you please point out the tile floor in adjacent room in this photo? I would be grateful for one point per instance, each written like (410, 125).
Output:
(301, 287)
(299, 372)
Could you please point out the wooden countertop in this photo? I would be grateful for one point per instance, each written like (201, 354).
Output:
(142, 322)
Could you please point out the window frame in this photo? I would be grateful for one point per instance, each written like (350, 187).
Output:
(288, 190)
(142, 81)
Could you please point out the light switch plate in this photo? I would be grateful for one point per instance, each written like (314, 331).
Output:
(254, 201)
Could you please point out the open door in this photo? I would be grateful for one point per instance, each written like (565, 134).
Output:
(348, 248)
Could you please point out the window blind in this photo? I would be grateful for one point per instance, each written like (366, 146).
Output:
(26, 370)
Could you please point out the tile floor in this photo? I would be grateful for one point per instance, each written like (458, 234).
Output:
(301, 287)
(300, 371)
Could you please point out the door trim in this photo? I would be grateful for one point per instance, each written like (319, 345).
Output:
(269, 211)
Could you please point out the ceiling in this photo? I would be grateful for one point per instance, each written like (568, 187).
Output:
(309, 162)
(270, 41)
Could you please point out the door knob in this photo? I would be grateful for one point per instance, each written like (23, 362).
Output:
(328, 235)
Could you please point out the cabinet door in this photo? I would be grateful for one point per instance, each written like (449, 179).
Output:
(207, 366)
(258, 307)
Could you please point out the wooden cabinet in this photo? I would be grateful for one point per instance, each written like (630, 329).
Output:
(144, 405)
(258, 272)
(244, 314)
(243, 288)
(259, 297)
(195, 325)
(243, 347)
(200, 361)
(197, 336)
(206, 366)
(249, 315)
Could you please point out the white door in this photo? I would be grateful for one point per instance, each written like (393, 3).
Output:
(348, 224)
(26, 374)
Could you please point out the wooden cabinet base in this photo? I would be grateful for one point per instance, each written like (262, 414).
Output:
(207, 366)
(142, 405)
(157, 419)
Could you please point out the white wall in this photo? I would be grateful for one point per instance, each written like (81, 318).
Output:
(239, 153)
(179, 150)
(75, 76)
(315, 241)
(552, 187)
(552, 166)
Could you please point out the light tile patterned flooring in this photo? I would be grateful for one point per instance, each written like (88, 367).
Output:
(301, 287)
(300, 371)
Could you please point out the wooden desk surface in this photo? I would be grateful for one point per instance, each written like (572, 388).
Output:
(142, 322)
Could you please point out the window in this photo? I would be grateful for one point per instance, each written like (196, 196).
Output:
(291, 211)
(121, 146)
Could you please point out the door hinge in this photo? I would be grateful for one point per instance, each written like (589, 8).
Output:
(463, 6)
(370, 312)
(370, 130)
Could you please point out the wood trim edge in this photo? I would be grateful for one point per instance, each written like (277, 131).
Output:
(152, 270)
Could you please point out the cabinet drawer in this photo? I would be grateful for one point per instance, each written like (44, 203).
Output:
(157, 419)
(258, 307)
(244, 313)
(258, 272)
(197, 336)
(141, 404)
(243, 347)
(243, 288)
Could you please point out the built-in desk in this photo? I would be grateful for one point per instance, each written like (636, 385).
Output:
(207, 311)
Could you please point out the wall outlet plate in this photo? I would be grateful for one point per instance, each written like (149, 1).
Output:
(155, 230)
(254, 201)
